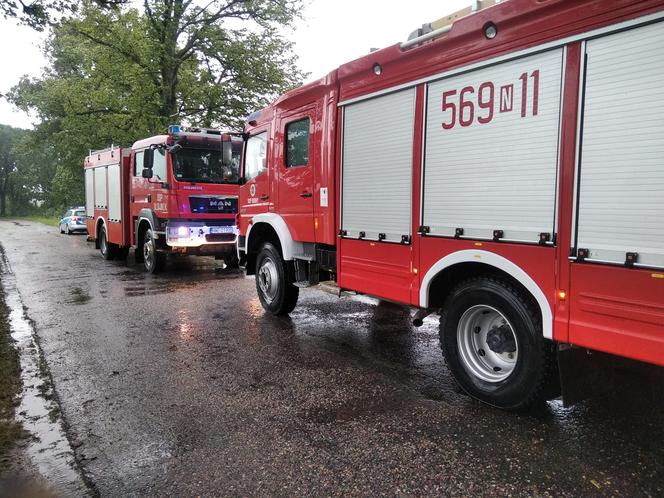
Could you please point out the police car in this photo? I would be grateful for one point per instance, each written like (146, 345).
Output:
(73, 221)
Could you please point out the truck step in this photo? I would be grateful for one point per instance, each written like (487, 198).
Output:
(331, 287)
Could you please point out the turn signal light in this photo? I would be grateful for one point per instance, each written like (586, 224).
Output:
(562, 295)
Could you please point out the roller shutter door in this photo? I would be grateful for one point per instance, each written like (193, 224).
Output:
(100, 187)
(114, 199)
(377, 167)
(89, 192)
(491, 155)
(621, 175)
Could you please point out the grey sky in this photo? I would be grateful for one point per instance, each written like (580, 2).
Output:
(331, 33)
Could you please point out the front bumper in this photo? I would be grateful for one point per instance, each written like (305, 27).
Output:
(196, 234)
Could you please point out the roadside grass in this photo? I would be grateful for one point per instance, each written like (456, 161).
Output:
(46, 220)
(10, 387)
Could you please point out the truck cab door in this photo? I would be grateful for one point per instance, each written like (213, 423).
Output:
(295, 163)
(255, 194)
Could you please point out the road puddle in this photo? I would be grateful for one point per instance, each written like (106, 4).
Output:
(47, 447)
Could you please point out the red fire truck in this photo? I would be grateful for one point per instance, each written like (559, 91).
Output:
(174, 193)
(505, 170)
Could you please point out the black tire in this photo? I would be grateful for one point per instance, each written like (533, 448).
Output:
(274, 282)
(514, 337)
(231, 261)
(153, 260)
(107, 249)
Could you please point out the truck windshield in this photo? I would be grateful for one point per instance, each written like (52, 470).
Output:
(200, 165)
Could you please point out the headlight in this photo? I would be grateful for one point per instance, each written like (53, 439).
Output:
(183, 231)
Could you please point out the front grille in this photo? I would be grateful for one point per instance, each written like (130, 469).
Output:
(202, 204)
(220, 237)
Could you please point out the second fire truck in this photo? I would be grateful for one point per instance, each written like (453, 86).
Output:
(173, 193)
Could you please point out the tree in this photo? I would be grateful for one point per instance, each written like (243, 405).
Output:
(37, 13)
(122, 74)
(9, 136)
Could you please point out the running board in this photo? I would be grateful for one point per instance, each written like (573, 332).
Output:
(331, 287)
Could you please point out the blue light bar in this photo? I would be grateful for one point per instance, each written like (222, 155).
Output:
(173, 129)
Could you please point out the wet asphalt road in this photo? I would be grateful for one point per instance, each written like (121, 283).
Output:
(180, 385)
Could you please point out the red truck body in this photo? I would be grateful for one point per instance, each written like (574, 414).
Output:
(525, 145)
(184, 206)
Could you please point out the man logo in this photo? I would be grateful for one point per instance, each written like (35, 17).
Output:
(252, 190)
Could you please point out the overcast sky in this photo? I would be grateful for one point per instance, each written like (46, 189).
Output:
(331, 33)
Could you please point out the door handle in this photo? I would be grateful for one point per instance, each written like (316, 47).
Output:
(306, 194)
(264, 197)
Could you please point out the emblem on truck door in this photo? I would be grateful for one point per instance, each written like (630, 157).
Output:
(252, 190)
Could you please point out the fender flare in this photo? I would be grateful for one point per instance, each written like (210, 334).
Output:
(147, 215)
(103, 222)
(289, 247)
(497, 261)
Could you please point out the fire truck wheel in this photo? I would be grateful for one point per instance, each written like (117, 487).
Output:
(153, 260)
(492, 341)
(274, 283)
(105, 247)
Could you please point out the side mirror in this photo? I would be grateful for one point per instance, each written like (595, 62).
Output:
(148, 159)
(147, 173)
(226, 152)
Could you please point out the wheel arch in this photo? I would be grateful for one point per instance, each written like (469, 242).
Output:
(447, 272)
(269, 227)
(146, 220)
(98, 224)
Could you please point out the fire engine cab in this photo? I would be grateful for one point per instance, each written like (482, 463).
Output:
(174, 193)
(505, 170)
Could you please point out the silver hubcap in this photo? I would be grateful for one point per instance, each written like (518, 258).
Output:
(268, 280)
(148, 251)
(488, 347)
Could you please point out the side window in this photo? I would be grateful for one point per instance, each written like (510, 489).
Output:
(138, 164)
(159, 164)
(297, 143)
(255, 156)
(67, 214)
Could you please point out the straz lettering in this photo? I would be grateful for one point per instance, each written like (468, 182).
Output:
(469, 105)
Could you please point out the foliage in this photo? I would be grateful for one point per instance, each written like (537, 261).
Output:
(37, 13)
(9, 137)
(119, 75)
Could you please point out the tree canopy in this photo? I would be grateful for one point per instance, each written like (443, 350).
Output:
(117, 75)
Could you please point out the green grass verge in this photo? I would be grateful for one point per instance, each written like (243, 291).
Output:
(10, 386)
(46, 220)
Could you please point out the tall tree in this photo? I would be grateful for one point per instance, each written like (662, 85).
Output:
(122, 74)
(9, 136)
(38, 13)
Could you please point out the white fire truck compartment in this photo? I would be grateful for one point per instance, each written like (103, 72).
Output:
(621, 159)
(100, 187)
(494, 169)
(377, 166)
(114, 193)
(89, 193)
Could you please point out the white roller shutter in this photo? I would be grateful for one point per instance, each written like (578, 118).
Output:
(377, 167)
(114, 199)
(100, 187)
(89, 193)
(621, 189)
(493, 166)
